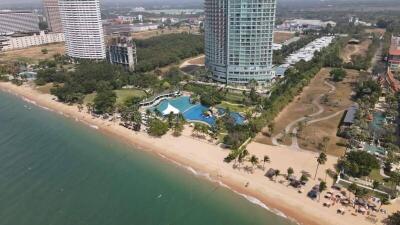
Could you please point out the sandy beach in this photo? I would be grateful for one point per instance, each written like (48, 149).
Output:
(207, 159)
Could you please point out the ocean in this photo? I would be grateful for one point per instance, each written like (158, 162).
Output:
(56, 171)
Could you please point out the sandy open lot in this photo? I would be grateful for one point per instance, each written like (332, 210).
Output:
(154, 33)
(282, 36)
(351, 50)
(33, 54)
(304, 105)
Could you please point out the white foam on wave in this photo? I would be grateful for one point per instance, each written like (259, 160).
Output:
(29, 101)
(249, 198)
(94, 126)
(45, 108)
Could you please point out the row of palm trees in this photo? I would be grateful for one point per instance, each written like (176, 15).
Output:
(240, 156)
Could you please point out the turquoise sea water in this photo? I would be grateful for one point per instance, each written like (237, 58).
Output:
(54, 171)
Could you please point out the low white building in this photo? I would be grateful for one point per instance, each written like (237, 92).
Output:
(303, 24)
(33, 40)
(144, 27)
(307, 53)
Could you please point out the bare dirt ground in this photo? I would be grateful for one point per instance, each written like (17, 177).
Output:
(154, 33)
(197, 61)
(282, 36)
(311, 135)
(337, 101)
(378, 31)
(33, 54)
(352, 50)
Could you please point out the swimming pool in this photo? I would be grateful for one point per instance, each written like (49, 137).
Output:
(239, 119)
(375, 149)
(378, 121)
(181, 103)
(195, 112)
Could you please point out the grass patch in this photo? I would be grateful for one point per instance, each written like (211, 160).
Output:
(234, 97)
(45, 89)
(233, 107)
(375, 175)
(122, 95)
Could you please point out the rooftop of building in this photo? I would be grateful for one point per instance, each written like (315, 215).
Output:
(395, 46)
(7, 11)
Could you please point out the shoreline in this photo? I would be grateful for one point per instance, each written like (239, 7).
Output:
(206, 160)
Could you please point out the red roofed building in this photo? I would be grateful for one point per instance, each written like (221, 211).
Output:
(390, 81)
(394, 55)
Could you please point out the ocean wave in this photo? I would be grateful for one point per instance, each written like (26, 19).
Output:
(94, 126)
(29, 101)
(45, 108)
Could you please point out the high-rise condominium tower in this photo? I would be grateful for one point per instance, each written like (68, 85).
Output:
(238, 40)
(81, 21)
(18, 22)
(52, 13)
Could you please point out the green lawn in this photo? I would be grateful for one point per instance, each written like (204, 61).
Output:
(233, 107)
(234, 97)
(122, 95)
(375, 175)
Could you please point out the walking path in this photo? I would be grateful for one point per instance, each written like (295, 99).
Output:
(292, 129)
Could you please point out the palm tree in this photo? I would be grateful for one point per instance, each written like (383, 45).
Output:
(254, 160)
(375, 185)
(321, 160)
(266, 159)
(322, 187)
(136, 118)
(290, 172)
(89, 107)
(277, 172)
(327, 172)
(80, 107)
(352, 188)
(303, 179)
(242, 155)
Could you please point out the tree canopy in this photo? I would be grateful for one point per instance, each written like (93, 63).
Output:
(358, 163)
(167, 49)
(338, 74)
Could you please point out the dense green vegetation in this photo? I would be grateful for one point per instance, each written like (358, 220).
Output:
(86, 79)
(163, 50)
(338, 74)
(157, 127)
(368, 91)
(393, 219)
(358, 163)
(105, 100)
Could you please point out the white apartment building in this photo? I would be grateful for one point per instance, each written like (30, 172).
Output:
(81, 21)
(18, 22)
(11, 43)
(52, 12)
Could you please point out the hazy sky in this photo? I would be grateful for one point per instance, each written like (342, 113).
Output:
(28, 3)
